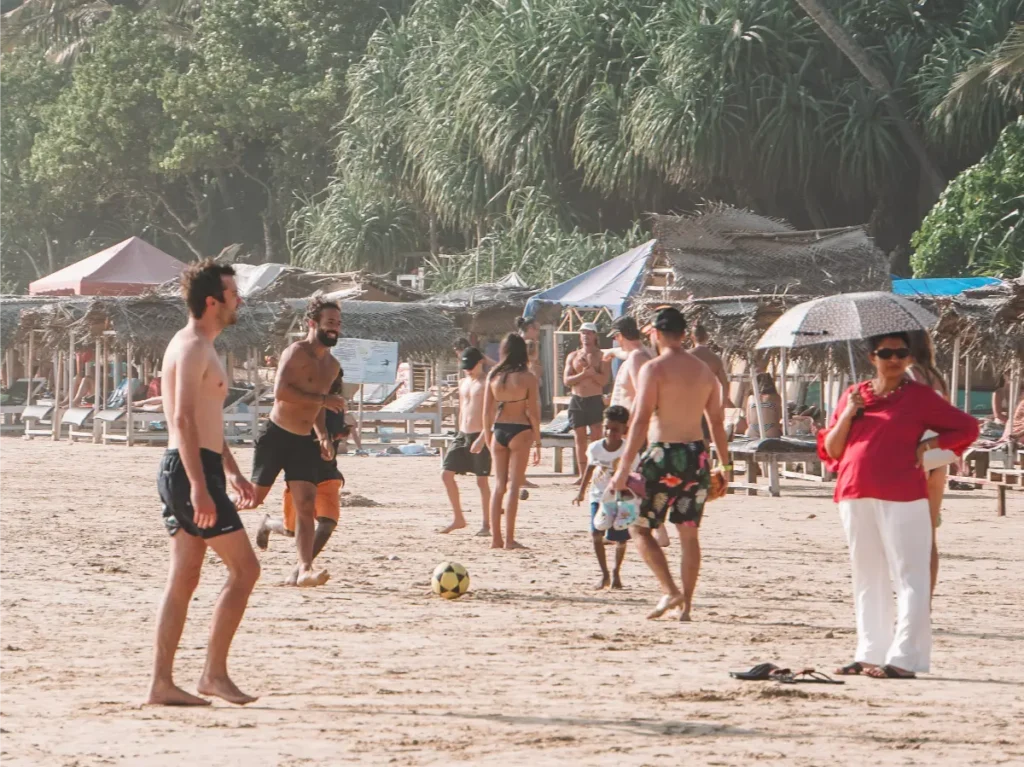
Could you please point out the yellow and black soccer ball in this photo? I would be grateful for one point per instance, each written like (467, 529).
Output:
(450, 580)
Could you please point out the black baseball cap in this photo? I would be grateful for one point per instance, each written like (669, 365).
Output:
(471, 357)
(670, 320)
(625, 325)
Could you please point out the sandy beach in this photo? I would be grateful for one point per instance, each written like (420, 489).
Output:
(531, 668)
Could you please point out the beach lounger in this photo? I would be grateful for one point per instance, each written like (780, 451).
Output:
(558, 436)
(38, 420)
(773, 451)
(408, 409)
(79, 422)
(114, 426)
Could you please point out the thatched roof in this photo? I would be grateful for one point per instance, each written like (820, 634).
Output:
(486, 309)
(726, 251)
(421, 331)
(989, 322)
(12, 329)
(149, 322)
(276, 282)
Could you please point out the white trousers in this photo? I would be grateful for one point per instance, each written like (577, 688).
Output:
(891, 543)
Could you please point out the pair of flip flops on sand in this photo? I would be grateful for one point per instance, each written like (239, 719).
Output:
(769, 671)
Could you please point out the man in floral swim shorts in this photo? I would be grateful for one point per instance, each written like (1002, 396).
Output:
(674, 391)
(677, 476)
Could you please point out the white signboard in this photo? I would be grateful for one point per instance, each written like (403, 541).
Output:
(367, 362)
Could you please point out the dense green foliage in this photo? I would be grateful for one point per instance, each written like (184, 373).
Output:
(473, 137)
(977, 227)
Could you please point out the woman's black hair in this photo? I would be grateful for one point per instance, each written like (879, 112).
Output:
(522, 323)
(766, 384)
(514, 358)
(923, 352)
(874, 341)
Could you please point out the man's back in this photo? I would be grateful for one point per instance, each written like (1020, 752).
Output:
(193, 358)
(684, 387)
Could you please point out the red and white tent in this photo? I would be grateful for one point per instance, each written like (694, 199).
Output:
(126, 269)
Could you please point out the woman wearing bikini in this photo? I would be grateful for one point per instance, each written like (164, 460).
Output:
(511, 425)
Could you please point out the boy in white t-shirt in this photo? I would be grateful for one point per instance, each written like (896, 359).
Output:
(602, 461)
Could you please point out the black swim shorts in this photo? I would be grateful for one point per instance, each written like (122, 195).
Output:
(277, 449)
(677, 476)
(585, 411)
(175, 492)
(461, 460)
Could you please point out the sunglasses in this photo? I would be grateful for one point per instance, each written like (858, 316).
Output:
(888, 354)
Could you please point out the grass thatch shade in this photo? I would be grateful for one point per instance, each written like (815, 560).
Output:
(489, 309)
(421, 331)
(989, 322)
(725, 251)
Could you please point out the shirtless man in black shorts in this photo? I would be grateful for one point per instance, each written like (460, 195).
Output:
(295, 438)
(586, 374)
(193, 479)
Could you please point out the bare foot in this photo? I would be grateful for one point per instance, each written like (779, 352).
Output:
(458, 524)
(666, 603)
(684, 616)
(577, 482)
(497, 543)
(223, 687)
(602, 584)
(514, 545)
(263, 534)
(312, 578)
(528, 484)
(483, 532)
(169, 694)
(616, 581)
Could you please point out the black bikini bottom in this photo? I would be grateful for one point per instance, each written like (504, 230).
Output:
(504, 433)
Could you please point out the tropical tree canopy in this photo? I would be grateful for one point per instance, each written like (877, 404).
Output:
(478, 137)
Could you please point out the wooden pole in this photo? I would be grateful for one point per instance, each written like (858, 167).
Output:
(57, 381)
(72, 365)
(256, 393)
(129, 426)
(440, 395)
(105, 379)
(783, 370)
(97, 390)
(756, 395)
(360, 412)
(31, 366)
(954, 378)
(967, 383)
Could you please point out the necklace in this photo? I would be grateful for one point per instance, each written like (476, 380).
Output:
(887, 394)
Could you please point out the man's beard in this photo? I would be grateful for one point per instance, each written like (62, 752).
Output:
(325, 338)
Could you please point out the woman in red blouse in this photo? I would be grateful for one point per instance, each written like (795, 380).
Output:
(874, 444)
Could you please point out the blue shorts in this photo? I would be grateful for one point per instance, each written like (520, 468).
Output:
(619, 536)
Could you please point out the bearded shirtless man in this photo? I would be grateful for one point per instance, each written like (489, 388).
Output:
(296, 437)
(675, 390)
(586, 374)
(193, 478)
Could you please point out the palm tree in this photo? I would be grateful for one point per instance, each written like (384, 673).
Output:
(1002, 68)
(933, 177)
(62, 28)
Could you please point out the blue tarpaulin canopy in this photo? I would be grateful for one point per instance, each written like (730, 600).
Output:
(940, 286)
(608, 285)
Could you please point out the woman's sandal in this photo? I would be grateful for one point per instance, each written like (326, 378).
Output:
(889, 672)
(851, 669)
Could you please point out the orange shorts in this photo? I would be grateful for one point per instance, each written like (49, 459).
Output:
(328, 503)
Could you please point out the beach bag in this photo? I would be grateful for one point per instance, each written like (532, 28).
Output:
(620, 509)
